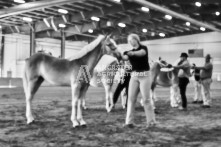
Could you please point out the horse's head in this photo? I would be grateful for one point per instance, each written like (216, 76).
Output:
(109, 47)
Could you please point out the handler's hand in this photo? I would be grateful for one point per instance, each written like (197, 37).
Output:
(129, 53)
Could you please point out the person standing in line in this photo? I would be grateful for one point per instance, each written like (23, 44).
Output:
(140, 81)
(206, 80)
(184, 73)
(197, 87)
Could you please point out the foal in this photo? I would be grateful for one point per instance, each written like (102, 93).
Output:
(74, 72)
(165, 79)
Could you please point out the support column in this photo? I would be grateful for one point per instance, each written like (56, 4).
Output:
(32, 39)
(62, 43)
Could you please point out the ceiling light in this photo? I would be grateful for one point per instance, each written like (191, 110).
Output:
(95, 18)
(90, 31)
(145, 9)
(28, 19)
(144, 30)
(168, 17)
(62, 25)
(122, 25)
(63, 11)
(152, 34)
(188, 23)
(109, 23)
(19, 1)
(202, 28)
(217, 13)
(198, 4)
(117, 1)
(162, 35)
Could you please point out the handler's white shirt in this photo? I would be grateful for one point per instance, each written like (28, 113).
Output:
(185, 68)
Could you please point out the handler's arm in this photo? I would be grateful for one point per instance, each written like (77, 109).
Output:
(139, 53)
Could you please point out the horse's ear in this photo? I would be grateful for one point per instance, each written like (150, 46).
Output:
(109, 35)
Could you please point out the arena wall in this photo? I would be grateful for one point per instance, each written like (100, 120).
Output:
(17, 49)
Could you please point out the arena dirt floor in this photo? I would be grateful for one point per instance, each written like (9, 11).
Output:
(196, 127)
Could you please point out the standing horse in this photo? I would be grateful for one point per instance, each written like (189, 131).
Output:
(167, 78)
(103, 76)
(75, 73)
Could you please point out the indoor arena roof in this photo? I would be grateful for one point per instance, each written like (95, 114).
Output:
(85, 19)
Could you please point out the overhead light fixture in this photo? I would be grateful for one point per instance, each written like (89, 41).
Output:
(90, 31)
(145, 9)
(217, 13)
(144, 30)
(122, 25)
(162, 35)
(187, 23)
(152, 34)
(168, 17)
(202, 29)
(198, 4)
(63, 11)
(19, 1)
(28, 19)
(117, 1)
(109, 23)
(94, 18)
(61, 25)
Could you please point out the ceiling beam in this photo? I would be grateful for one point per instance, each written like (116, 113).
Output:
(177, 15)
(31, 6)
(188, 2)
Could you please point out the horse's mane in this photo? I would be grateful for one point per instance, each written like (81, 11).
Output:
(87, 48)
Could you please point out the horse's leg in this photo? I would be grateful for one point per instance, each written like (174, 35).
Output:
(152, 94)
(123, 98)
(30, 90)
(80, 100)
(111, 97)
(76, 88)
(83, 98)
(108, 92)
(84, 103)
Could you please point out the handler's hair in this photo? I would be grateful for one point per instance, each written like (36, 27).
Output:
(134, 36)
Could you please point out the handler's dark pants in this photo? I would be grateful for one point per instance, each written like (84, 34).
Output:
(121, 86)
(183, 82)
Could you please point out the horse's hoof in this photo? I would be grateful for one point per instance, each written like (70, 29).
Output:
(31, 122)
(109, 110)
(156, 112)
(84, 126)
(76, 127)
(76, 124)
